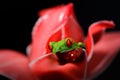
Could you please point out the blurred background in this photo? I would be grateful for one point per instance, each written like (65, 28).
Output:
(17, 18)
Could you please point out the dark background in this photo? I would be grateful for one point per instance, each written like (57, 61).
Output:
(18, 17)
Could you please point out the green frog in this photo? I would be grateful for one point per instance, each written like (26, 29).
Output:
(65, 45)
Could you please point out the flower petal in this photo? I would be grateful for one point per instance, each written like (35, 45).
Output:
(14, 65)
(49, 10)
(49, 68)
(54, 26)
(94, 33)
(104, 52)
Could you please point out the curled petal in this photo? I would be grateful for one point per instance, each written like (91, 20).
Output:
(94, 34)
(14, 65)
(104, 52)
(54, 26)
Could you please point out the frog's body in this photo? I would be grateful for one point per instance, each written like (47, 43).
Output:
(65, 45)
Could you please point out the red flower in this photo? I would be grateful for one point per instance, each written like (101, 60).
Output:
(55, 24)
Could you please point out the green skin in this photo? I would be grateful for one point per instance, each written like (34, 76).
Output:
(61, 46)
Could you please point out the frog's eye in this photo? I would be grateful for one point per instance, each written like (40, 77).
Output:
(50, 47)
(69, 42)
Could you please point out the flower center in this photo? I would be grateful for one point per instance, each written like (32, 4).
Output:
(71, 56)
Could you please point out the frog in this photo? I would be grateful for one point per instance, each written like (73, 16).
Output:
(65, 45)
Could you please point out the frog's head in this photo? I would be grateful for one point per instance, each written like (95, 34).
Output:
(65, 45)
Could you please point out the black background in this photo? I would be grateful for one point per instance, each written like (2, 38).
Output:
(18, 17)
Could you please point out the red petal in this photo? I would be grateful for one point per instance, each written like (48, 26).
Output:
(49, 10)
(54, 26)
(104, 52)
(48, 68)
(94, 33)
(14, 65)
